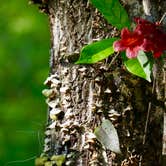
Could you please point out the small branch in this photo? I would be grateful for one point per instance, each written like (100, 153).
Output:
(113, 59)
(164, 136)
(164, 119)
(162, 18)
(147, 120)
(164, 141)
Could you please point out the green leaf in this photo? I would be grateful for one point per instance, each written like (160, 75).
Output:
(140, 66)
(107, 135)
(96, 51)
(113, 11)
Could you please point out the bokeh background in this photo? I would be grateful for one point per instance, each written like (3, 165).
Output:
(24, 57)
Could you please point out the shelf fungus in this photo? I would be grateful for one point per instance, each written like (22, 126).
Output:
(49, 93)
(54, 113)
(52, 103)
(53, 80)
(113, 115)
(90, 141)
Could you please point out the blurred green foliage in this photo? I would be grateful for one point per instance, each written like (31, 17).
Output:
(24, 55)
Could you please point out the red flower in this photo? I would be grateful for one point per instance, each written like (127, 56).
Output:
(145, 27)
(155, 38)
(147, 36)
(130, 41)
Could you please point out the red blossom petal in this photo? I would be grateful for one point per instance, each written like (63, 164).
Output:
(133, 52)
(125, 33)
(130, 41)
(147, 45)
(157, 54)
(147, 36)
(118, 46)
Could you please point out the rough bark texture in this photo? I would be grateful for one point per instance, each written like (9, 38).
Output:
(81, 96)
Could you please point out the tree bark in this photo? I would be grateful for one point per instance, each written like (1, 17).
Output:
(81, 96)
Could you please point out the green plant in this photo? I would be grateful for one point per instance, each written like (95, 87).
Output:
(140, 47)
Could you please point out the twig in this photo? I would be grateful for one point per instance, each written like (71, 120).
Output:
(113, 59)
(164, 120)
(147, 120)
(151, 13)
(164, 136)
(162, 18)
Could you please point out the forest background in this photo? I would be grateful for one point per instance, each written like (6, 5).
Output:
(24, 54)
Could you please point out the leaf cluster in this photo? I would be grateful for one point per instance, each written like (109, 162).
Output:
(117, 16)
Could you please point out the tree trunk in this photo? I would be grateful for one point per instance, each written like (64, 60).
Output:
(81, 96)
